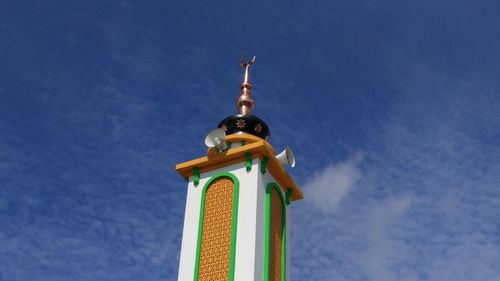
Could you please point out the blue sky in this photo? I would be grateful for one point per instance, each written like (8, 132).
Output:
(392, 108)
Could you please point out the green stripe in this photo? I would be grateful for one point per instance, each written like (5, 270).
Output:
(234, 223)
(288, 196)
(267, 234)
(263, 165)
(196, 176)
(248, 161)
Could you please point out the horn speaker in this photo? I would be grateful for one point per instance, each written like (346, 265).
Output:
(216, 139)
(286, 157)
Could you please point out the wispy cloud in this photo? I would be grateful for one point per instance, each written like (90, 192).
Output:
(382, 249)
(327, 188)
(421, 202)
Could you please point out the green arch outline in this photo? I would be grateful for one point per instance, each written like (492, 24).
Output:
(267, 232)
(234, 222)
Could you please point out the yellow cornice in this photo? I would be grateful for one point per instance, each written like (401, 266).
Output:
(257, 147)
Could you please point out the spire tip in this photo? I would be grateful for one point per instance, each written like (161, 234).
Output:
(245, 103)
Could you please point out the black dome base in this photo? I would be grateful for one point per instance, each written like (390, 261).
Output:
(249, 124)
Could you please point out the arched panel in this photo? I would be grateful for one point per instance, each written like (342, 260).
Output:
(275, 235)
(217, 229)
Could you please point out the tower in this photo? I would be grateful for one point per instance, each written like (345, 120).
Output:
(237, 218)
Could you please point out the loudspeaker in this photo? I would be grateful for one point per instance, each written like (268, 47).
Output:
(286, 157)
(216, 139)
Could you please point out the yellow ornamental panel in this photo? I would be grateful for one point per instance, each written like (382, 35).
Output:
(276, 237)
(216, 231)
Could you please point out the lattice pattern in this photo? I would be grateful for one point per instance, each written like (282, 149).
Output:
(216, 235)
(276, 239)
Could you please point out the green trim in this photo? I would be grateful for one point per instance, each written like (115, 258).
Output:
(289, 192)
(196, 176)
(234, 223)
(243, 142)
(248, 160)
(263, 166)
(218, 151)
(267, 232)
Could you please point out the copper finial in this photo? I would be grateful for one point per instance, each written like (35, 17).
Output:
(245, 103)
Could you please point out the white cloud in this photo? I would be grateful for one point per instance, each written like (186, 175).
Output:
(382, 249)
(328, 188)
(422, 202)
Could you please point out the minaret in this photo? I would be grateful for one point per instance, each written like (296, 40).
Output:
(237, 220)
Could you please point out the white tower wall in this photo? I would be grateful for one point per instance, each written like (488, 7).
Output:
(249, 253)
